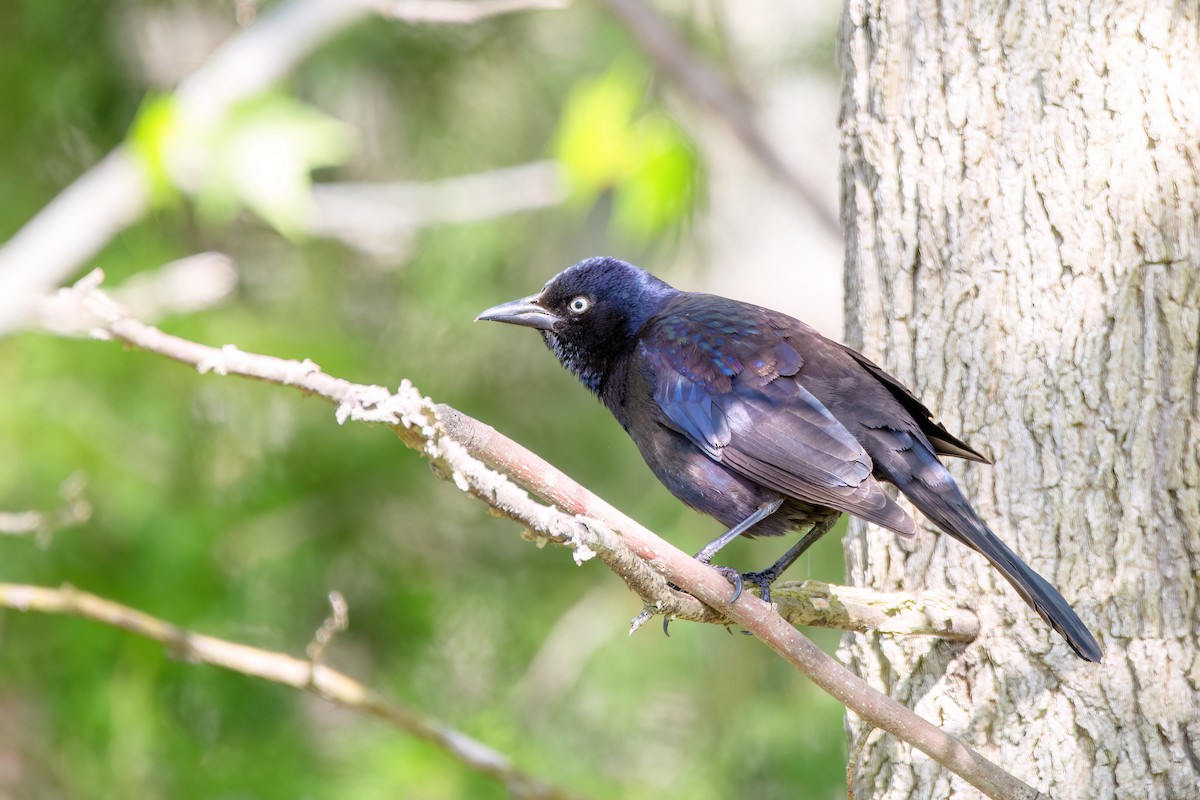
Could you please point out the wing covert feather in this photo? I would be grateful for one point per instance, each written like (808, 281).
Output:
(739, 399)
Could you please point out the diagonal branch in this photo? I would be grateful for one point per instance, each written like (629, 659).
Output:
(812, 603)
(311, 676)
(588, 524)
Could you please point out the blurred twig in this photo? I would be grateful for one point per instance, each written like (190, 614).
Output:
(311, 676)
(459, 12)
(115, 193)
(705, 85)
(559, 663)
(188, 284)
(337, 621)
(75, 510)
(380, 218)
(461, 449)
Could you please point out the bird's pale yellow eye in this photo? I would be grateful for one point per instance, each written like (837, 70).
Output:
(580, 304)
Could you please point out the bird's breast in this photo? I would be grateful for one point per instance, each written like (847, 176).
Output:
(692, 476)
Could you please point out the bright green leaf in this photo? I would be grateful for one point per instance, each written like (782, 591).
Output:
(645, 160)
(151, 137)
(660, 189)
(596, 138)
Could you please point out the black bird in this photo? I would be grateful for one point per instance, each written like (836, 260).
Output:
(754, 418)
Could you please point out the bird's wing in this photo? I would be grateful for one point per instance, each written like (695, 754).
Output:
(943, 442)
(731, 388)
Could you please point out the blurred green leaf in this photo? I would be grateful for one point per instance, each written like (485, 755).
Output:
(646, 160)
(150, 137)
(263, 156)
(597, 140)
(659, 191)
(260, 156)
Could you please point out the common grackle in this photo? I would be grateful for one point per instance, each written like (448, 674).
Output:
(754, 418)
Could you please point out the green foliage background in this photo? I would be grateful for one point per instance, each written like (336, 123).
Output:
(232, 508)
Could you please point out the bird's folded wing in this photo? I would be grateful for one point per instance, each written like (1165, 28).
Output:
(777, 434)
(942, 441)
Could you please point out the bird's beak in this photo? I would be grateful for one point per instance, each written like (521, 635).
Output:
(525, 312)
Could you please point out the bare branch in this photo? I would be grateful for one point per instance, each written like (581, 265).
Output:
(701, 81)
(180, 287)
(281, 668)
(75, 510)
(337, 621)
(461, 450)
(381, 218)
(810, 603)
(459, 12)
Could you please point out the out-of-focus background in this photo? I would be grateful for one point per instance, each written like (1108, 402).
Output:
(457, 166)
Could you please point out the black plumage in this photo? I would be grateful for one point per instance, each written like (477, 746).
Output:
(754, 418)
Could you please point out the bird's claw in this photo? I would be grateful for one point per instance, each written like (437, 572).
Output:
(731, 575)
(762, 580)
(734, 577)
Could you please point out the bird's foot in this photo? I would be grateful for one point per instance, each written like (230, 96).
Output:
(734, 577)
(763, 581)
(731, 574)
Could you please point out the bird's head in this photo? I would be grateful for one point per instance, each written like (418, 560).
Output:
(589, 314)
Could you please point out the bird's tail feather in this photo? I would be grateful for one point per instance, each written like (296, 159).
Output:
(916, 471)
(951, 512)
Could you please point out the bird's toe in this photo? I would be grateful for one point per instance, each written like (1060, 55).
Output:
(734, 577)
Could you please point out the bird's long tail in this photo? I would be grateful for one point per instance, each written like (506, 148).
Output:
(933, 491)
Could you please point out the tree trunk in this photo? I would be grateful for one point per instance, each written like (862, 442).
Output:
(1020, 203)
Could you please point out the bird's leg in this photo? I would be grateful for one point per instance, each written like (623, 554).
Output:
(762, 512)
(766, 577)
(712, 548)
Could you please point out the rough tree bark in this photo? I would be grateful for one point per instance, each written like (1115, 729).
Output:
(1021, 183)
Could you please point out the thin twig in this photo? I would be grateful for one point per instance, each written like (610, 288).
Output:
(281, 668)
(705, 84)
(854, 756)
(75, 510)
(337, 621)
(183, 286)
(459, 12)
(587, 523)
(381, 219)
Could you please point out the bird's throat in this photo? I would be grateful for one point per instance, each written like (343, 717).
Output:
(589, 370)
